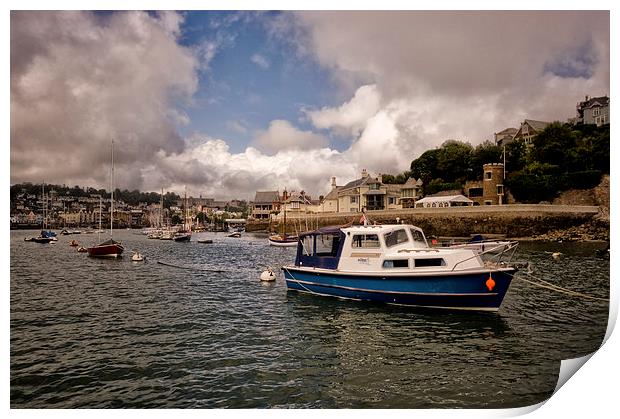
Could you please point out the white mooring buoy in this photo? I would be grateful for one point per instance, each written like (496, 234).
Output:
(267, 275)
(556, 255)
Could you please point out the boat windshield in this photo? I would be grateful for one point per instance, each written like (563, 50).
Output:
(418, 238)
(395, 237)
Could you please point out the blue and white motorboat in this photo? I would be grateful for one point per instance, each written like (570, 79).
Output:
(394, 264)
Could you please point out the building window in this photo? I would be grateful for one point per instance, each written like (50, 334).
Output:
(488, 202)
(488, 175)
(373, 186)
(500, 189)
(391, 200)
(295, 205)
(354, 200)
(475, 192)
(596, 112)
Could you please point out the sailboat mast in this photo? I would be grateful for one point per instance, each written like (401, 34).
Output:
(112, 193)
(100, 209)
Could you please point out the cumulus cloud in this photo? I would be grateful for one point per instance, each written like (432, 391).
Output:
(429, 76)
(351, 117)
(282, 135)
(210, 168)
(80, 79)
(407, 82)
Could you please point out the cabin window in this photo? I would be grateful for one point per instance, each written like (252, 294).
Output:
(365, 241)
(422, 263)
(395, 237)
(396, 263)
(307, 245)
(418, 236)
(327, 245)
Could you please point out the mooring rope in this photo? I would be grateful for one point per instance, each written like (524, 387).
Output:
(557, 288)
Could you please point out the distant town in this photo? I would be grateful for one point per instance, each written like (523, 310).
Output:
(530, 164)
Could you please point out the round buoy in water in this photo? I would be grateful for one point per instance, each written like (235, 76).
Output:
(268, 275)
(556, 255)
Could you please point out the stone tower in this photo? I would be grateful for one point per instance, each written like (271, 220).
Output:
(493, 184)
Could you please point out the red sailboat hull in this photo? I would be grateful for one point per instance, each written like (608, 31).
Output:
(106, 250)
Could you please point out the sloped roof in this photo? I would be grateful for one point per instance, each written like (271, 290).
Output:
(412, 183)
(507, 131)
(296, 196)
(595, 101)
(333, 194)
(537, 125)
(266, 197)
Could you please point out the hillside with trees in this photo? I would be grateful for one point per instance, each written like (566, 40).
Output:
(562, 157)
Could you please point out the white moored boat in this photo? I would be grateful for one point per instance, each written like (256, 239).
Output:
(394, 264)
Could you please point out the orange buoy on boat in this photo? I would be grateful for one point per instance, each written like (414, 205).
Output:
(490, 283)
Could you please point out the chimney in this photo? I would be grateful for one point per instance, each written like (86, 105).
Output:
(333, 182)
(364, 173)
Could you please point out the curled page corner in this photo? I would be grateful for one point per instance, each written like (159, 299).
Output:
(568, 367)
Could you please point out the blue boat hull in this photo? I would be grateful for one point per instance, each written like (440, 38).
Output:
(468, 291)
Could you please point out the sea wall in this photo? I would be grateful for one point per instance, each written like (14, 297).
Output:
(508, 220)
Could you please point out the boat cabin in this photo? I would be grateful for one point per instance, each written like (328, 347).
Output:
(372, 248)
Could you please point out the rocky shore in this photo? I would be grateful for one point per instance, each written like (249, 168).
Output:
(595, 229)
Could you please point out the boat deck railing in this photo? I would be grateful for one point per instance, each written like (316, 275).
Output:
(497, 258)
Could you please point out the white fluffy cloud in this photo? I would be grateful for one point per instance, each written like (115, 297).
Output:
(351, 117)
(408, 82)
(209, 168)
(282, 135)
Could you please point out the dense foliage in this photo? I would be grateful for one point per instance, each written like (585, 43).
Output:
(562, 157)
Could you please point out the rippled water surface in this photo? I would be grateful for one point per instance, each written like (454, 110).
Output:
(208, 334)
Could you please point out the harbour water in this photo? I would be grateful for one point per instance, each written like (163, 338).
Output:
(206, 333)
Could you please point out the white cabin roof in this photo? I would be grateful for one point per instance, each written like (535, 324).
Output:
(369, 229)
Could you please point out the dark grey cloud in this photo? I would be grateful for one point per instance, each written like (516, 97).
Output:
(79, 80)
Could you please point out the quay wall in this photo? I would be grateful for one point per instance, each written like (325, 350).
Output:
(518, 220)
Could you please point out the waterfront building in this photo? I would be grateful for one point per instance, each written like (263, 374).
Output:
(529, 129)
(265, 202)
(504, 136)
(593, 111)
(489, 190)
(409, 192)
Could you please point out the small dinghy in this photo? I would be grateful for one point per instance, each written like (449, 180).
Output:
(136, 256)
(208, 241)
(73, 243)
(237, 235)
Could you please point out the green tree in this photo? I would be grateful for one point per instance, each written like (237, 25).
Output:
(484, 153)
(425, 166)
(454, 161)
(555, 145)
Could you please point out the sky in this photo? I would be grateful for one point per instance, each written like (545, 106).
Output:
(225, 103)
